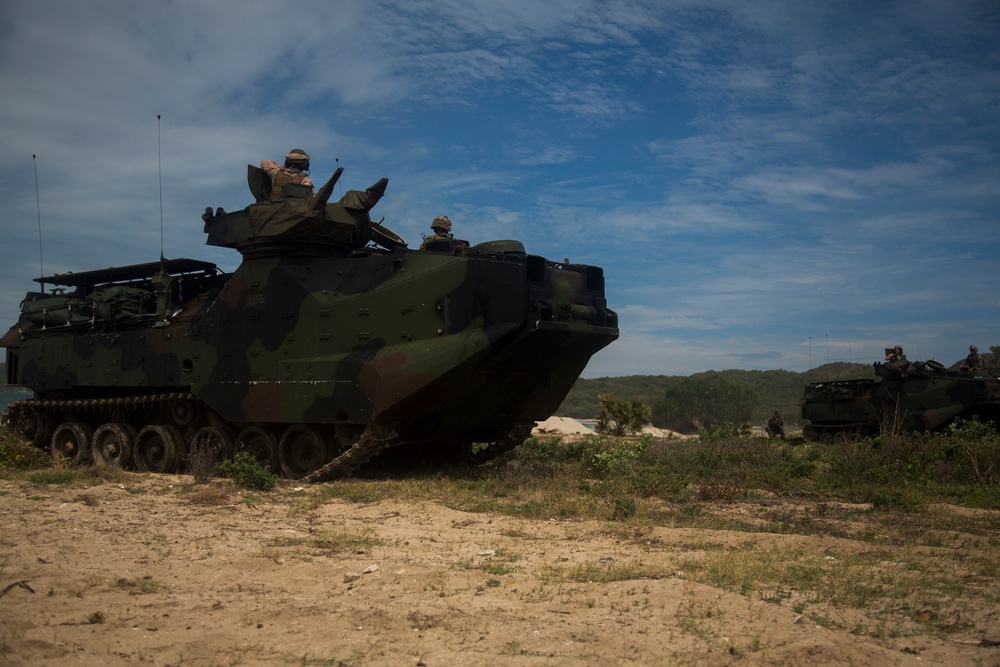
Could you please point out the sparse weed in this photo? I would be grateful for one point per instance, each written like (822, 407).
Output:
(211, 494)
(354, 491)
(203, 461)
(54, 475)
(325, 543)
(138, 586)
(598, 572)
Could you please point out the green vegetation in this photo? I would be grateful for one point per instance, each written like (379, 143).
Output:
(247, 472)
(18, 455)
(993, 361)
(622, 417)
(770, 389)
(905, 472)
(758, 393)
(674, 482)
(704, 401)
(53, 476)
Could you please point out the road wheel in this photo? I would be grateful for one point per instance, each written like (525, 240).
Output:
(302, 450)
(71, 441)
(217, 440)
(36, 426)
(184, 411)
(113, 443)
(158, 448)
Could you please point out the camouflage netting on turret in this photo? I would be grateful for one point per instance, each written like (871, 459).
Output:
(289, 220)
(345, 222)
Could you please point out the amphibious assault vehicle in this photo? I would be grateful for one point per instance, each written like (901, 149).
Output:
(331, 341)
(903, 397)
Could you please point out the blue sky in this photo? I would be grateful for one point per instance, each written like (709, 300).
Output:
(766, 184)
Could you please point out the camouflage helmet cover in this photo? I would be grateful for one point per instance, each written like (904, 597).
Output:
(441, 222)
(973, 348)
(297, 157)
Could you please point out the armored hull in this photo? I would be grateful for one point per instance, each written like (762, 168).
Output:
(331, 341)
(906, 397)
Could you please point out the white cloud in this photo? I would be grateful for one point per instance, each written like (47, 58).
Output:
(749, 174)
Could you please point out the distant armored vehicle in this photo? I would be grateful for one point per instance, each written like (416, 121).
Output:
(331, 341)
(904, 397)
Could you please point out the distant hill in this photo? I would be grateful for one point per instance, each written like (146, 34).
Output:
(774, 389)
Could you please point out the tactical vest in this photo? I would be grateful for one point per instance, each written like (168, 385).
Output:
(282, 177)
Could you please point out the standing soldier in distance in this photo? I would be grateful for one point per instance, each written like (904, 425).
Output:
(776, 425)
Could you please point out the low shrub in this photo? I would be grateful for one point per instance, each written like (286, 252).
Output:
(723, 431)
(15, 454)
(247, 472)
(613, 456)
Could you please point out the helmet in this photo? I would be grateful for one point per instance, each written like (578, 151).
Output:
(441, 222)
(973, 348)
(297, 157)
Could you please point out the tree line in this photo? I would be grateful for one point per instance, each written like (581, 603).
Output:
(712, 398)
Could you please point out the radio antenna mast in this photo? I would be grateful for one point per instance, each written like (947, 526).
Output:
(38, 208)
(159, 167)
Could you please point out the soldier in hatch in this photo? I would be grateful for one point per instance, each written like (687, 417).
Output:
(896, 355)
(895, 360)
(442, 231)
(296, 170)
(973, 362)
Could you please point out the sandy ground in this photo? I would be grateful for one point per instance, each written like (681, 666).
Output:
(155, 571)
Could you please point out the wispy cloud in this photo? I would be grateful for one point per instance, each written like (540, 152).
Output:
(752, 176)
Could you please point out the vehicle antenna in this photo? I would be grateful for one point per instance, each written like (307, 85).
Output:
(916, 345)
(338, 181)
(38, 208)
(159, 167)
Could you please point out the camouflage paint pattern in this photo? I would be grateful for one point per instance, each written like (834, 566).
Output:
(319, 326)
(920, 396)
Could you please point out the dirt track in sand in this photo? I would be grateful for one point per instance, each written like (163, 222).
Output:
(154, 571)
